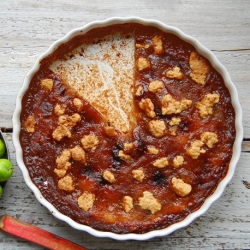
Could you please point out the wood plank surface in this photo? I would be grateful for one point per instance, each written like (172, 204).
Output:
(29, 27)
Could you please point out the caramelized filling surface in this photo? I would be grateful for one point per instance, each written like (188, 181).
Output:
(150, 177)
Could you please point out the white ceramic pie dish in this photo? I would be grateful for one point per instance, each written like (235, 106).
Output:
(236, 147)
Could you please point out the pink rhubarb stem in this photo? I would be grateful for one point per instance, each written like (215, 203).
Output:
(36, 235)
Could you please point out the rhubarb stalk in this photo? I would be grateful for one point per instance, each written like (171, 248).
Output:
(36, 235)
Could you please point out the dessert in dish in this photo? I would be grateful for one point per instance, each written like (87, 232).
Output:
(127, 129)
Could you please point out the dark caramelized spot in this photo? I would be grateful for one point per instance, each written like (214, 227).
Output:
(184, 125)
(140, 148)
(158, 178)
(38, 179)
(159, 113)
(115, 154)
(88, 170)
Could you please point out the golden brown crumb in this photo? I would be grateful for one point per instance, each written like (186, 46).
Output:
(199, 68)
(47, 84)
(175, 121)
(62, 161)
(78, 104)
(78, 154)
(60, 132)
(173, 130)
(110, 131)
(209, 138)
(172, 106)
(128, 147)
(60, 172)
(174, 73)
(148, 107)
(161, 163)
(180, 187)
(127, 203)
(157, 128)
(89, 142)
(139, 91)
(156, 86)
(69, 121)
(86, 201)
(138, 46)
(157, 44)
(149, 202)
(142, 63)
(30, 124)
(59, 110)
(66, 184)
(124, 156)
(153, 150)
(108, 176)
(205, 106)
(195, 149)
(178, 161)
(138, 174)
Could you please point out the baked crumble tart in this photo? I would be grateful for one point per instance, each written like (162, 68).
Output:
(127, 129)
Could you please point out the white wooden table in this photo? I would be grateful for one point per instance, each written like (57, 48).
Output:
(27, 28)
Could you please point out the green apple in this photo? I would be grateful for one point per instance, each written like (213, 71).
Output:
(6, 169)
(2, 148)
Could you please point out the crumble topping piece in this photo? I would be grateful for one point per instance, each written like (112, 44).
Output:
(209, 138)
(60, 172)
(138, 174)
(195, 149)
(108, 176)
(86, 201)
(199, 68)
(66, 184)
(60, 132)
(124, 156)
(157, 128)
(110, 131)
(139, 91)
(46, 84)
(78, 154)
(149, 202)
(157, 44)
(174, 73)
(62, 161)
(172, 106)
(178, 161)
(78, 104)
(156, 86)
(153, 150)
(59, 110)
(30, 124)
(175, 121)
(89, 142)
(127, 203)
(205, 106)
(148, 107)
(142, 63)
(69, 121)
(173, 130)
(138, 46)
(161, 163)
(180, 187)
(128, 147)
